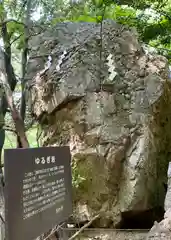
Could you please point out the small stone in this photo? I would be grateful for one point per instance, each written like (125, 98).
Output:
(142, 73)
(127, 96)
(126, 106)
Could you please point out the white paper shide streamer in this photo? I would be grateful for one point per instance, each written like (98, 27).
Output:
(58, 66)
(111, 65)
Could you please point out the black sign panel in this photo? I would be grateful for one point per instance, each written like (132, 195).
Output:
(37, 190)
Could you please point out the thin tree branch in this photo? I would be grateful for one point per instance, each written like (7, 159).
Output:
(22, 9)
(17, 38)
(84, 227)
(2, 219)
(31, 35)
(6, 128)
(11, 20)
(53, 231)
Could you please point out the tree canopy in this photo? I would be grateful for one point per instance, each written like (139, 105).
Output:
(152, 19)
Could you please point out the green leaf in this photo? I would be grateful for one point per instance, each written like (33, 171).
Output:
(108, 2)
(84, 18)
(98, 3)
(99, 19)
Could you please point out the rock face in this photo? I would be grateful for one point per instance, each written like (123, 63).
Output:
(167, 203)
(162, 230)
(102, 94)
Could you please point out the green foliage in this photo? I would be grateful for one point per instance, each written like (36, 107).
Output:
(10, 139)
(98, 3)
(152, 19)
(77, 179)
(84, 18)
(153, 27)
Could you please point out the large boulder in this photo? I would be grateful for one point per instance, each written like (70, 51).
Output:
(98, 91)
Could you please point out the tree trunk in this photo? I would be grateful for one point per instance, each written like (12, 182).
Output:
(5, 63)
(24, 64)
(19, 124)
(7, 74)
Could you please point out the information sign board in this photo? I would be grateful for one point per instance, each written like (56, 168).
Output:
(38, 188)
